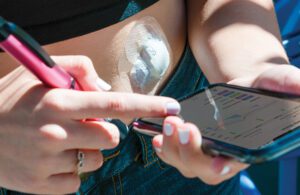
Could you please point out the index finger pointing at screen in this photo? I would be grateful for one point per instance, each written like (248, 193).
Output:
(80, 105)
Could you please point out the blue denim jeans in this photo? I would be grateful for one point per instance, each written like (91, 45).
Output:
(133, 167)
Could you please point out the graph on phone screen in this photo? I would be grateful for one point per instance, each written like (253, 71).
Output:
(241, 118)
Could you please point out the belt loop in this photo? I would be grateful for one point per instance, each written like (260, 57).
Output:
(147, 150)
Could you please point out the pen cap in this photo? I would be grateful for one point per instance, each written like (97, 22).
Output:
(54, 77)
(3, 32)
(22, 47)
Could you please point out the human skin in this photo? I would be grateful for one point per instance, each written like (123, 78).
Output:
(42, 130)
(234, 41)
(105, 47)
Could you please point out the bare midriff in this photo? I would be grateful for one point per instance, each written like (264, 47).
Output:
(105, 47)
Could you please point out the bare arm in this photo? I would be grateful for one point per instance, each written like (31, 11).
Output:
(234, 38)
(235, 41)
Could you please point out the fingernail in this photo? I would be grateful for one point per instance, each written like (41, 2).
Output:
(184, 136)
(168, 129)
(225, 170)
(103, 85)
(173, 108)
(158, 150)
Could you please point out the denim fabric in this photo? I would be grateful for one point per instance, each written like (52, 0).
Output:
(133, 167)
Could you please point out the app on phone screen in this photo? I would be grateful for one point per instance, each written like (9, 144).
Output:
(241, 118)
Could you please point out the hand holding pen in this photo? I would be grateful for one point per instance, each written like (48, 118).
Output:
(40, 131)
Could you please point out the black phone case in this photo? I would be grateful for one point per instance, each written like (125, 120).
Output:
(281, 146)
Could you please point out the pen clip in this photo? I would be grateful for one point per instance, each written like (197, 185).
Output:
(26, 39)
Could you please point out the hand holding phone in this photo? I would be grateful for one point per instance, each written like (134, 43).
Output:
(249, 125)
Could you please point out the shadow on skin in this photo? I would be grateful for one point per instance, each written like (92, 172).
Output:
(212, 22)
(226, 17)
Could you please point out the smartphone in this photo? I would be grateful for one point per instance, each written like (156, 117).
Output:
(247, 124)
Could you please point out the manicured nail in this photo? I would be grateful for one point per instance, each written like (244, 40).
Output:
(225, 170)
(158, 150)
(103, 85)
(173, 108)
(184, 136)
(168, 129)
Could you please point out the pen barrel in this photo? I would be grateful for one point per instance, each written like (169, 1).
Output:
(54, 77)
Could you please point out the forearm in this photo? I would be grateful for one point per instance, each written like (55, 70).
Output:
(234, 38)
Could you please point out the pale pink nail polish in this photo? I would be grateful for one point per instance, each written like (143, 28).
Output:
(184, 136)
(225, 170)
(220, 166)
(173, 108)
(103, 85)
(168, 129)
(158, 150)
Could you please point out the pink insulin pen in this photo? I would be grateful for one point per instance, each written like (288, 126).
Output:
(28, 52)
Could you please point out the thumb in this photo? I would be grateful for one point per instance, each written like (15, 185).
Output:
(283, 78)
(82, 69)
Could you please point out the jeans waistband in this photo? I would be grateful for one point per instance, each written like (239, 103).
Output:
(186, 79)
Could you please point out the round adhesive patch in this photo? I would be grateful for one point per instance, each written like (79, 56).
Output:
(148, 53)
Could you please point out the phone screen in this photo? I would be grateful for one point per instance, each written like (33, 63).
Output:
(241, 118)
